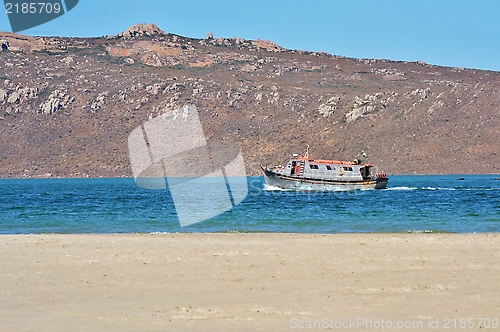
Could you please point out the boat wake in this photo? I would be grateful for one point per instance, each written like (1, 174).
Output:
(315, 187)
(336, 188)
(274, 188)
(419, 188)
(401, 188)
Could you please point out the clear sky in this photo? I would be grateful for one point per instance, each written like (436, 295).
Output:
(455, 33)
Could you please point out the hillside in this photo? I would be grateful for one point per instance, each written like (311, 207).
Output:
(67, 105)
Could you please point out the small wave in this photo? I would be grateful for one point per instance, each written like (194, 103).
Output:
(478, 189)
(421, 188)
(438, 188)
(401, 188)
(274, 188)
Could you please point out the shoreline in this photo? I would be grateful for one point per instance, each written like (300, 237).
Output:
(429, 232)
(251, 175)
(244, 281)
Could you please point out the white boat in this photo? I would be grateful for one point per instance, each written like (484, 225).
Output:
(303, 173)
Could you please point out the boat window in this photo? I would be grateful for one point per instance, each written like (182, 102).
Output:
(328, 167)
(312, 166)
(346, 168)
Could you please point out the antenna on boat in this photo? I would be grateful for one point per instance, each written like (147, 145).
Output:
(306, 155)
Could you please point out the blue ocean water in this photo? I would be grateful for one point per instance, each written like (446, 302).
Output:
(436, 203)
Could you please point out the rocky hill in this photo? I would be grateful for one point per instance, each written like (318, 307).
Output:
(67, 105)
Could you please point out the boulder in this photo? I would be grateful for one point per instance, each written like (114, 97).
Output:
(14, 98)
(67, 60)
(129, 61)
(4, 45)
(153, 89)
(3, 95)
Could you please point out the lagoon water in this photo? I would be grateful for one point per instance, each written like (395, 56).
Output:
(417, 203)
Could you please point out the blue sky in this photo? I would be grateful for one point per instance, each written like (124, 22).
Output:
(448, 33)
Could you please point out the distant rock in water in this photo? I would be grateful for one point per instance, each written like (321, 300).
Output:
(141, 29)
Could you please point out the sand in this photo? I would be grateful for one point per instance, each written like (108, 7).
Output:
(238, 282)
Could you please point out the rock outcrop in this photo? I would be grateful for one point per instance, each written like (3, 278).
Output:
(369, 104)
(329, 107)
(141, 29)
(56, 101)
(15, 42)
(268, 45)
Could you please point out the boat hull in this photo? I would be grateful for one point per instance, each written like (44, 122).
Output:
(301, 183)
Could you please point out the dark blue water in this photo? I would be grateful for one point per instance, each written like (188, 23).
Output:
(435, 203)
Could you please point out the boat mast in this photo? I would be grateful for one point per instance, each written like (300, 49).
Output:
(306, 155)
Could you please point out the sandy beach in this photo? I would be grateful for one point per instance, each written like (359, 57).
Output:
(255, 282)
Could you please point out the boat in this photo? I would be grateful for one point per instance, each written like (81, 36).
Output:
(304, 173)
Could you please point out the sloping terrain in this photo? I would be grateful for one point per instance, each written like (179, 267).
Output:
(67, 105)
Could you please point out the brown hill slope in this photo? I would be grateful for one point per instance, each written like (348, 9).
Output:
(67, 105)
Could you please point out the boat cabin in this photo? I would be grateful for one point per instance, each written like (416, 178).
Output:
(327, 169)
